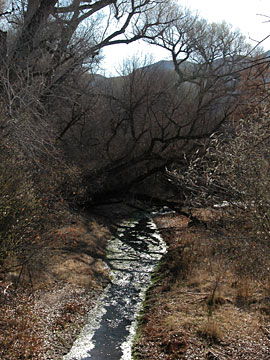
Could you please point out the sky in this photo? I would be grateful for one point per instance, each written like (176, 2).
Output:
(246, 15)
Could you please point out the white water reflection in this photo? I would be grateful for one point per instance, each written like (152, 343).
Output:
(132, 256)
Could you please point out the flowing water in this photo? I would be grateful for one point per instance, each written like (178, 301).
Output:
(132, 256)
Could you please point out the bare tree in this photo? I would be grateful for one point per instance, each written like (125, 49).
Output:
(145, 122)
(50, 29)
(147, 119)
(208, 58)
(50, 43)
(234, 168)
(164, 126)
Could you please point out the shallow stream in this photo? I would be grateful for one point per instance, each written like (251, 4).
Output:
(132, 255)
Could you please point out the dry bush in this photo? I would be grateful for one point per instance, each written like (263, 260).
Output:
(181, 261)
(236, 172)
(19, 204)
(36, 180)
(244, 292)
(32, 203)
(210, 331)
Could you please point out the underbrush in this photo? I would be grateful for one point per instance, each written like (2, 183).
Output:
(19, 338)
(34, 201)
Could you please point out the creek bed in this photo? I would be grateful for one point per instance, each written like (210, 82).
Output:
(132, 255)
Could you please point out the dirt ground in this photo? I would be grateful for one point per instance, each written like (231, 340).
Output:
(205, 302)
(201, 306)
(41, 317)
(44, 302)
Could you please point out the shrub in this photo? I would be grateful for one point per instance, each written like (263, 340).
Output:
(19, 203)
(235, 172)
(33, 201)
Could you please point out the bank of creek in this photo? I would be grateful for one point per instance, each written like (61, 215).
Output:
(132, 255)
(203, 304)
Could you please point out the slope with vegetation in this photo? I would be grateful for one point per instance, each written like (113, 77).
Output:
(192, 132)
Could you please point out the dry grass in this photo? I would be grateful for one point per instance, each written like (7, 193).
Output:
(43, 307)
(204, 296)
(210, 331)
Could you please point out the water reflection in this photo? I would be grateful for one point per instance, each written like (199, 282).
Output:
(132, 255)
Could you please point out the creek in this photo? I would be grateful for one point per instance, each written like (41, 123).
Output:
(132, 255)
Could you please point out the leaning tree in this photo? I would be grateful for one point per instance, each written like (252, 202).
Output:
(47, 46)
(152, 119)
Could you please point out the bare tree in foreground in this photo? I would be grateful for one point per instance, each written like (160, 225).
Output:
(51, 43)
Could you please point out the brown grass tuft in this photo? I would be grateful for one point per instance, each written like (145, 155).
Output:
(210, 330)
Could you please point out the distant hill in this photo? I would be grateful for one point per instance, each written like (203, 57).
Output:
(166, 65)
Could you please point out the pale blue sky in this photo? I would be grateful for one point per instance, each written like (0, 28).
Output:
(242, 14)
